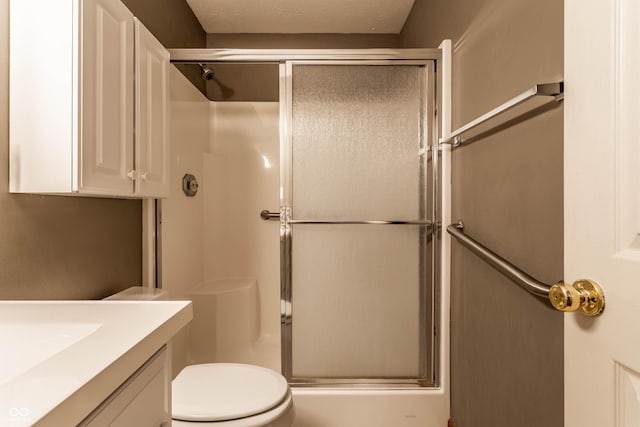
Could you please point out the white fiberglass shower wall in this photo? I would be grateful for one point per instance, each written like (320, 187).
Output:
(237, 158)
(241, 175)
(214, 243)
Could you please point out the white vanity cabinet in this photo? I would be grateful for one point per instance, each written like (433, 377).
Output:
(88, 101)
(142, 401)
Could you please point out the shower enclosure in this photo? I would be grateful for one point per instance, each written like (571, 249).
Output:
(361, 296)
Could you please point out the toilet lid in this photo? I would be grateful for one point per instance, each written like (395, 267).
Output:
(225, 391)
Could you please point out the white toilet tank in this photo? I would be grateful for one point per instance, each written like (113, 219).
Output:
(226, 320)
(141, 293)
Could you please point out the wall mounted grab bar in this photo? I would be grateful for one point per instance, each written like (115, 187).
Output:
(525, 281)
(555, 90)
(583, 295)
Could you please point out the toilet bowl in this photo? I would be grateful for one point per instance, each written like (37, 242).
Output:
(231, 395)
(224, 394)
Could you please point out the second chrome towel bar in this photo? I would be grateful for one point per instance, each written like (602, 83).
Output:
(555, 90)
(583, 295)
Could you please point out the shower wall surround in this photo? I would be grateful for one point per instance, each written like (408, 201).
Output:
(233, 150)
(506, 355)
(241, 172)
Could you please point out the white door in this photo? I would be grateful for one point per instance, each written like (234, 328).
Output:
(602, 209)
(152, 92)
(106, 108)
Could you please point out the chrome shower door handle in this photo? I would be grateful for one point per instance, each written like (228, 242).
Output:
(266, 215)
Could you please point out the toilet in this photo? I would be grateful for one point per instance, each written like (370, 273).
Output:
(224, 394)
(230, 395)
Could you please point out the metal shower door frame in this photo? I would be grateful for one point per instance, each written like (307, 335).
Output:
(441, 58)
(429, 354)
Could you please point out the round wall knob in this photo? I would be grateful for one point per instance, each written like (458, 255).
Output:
(189, 185)
(584, 295)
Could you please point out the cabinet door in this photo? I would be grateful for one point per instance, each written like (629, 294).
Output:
(106, 95)
(142, 401)
(151, 137)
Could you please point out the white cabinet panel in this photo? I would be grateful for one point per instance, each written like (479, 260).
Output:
(106, 148)
(152, 89)
(41, 124)
(142, 401)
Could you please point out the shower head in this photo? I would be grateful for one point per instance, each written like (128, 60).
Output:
(207, 73)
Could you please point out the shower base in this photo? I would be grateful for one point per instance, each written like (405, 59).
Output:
(320, 407)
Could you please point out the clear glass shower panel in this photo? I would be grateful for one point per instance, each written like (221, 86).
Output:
(357, 136)
(356, 301)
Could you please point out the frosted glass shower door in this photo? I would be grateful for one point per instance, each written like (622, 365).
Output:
(356, 223)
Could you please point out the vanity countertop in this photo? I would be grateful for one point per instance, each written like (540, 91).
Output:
(60, 359)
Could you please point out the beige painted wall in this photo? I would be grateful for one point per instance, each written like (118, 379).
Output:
(301, 41)
(507, 353)
(174, 24)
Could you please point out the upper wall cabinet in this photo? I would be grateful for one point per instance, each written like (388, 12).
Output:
(88, 101)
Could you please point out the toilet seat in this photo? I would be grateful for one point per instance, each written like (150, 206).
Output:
(229, 394)
(280, 416)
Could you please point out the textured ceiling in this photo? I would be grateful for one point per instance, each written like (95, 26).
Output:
(302, 16)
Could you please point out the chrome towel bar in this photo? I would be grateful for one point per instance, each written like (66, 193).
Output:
(374, 222)
(555, 90)
(583, 295)
(266, 216)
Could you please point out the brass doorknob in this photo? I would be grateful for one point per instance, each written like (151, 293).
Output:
(584, 295)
